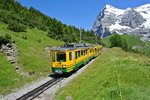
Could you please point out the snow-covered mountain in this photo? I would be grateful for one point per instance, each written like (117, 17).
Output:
(123, 21)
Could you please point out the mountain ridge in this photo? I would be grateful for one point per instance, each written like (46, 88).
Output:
(135, 21)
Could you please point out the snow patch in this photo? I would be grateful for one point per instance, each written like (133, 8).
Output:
(111, 9)
(146, 24)
(117, 26)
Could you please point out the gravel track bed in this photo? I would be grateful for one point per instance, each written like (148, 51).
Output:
(49, 94)
(25, 89)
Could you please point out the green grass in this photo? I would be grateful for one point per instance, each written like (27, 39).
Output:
(32, 57)
(132, 41)
(9, 79)
(106, 41)
(114, 75)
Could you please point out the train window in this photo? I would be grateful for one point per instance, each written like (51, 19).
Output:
(76, 54)
(61, 56)
(82, 53)
(53, 57)
(70, 55)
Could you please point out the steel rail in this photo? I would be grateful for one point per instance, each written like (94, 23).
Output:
(37, 91)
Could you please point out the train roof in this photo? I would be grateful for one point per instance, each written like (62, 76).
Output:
(67, 48)
(72, 47)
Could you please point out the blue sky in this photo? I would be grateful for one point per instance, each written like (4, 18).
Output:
(80, 13)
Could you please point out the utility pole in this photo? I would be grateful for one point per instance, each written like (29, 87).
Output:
(96, 38)
(80, 36)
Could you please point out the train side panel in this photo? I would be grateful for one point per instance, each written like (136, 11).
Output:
(81, 57)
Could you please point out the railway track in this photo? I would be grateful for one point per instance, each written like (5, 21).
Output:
(39, 90)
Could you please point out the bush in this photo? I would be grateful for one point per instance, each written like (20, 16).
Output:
(117, 41)
(39, 40)
(5, 39)
(43, 28)
(16, 27)
(32, 23)
(24, 37)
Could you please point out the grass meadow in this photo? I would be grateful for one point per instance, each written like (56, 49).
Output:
(114, 75)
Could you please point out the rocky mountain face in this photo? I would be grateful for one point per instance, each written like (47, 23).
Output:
(135, 21)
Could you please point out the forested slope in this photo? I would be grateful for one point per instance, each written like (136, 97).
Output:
(20, 18)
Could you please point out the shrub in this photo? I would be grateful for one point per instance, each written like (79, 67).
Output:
(5, 39)
(42, 27)
(32, 24)
(117, 41)
(17, 27)
(39, 40)
(24, 37)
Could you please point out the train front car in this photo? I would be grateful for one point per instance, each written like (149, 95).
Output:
(62, 60)
(66, 60)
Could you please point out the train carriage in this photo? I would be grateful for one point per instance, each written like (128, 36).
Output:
(67, 59)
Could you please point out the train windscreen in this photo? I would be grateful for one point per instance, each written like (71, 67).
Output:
(61, 57)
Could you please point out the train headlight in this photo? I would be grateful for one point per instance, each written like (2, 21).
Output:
(53, 65)
(63, 66)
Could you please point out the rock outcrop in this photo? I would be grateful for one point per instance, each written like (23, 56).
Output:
(11, 51)
(131, 18)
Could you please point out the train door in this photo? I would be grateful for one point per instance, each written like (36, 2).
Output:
(74, 57)
(52, 59)
(71, 60)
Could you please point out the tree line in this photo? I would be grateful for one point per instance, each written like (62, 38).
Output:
(20, 18)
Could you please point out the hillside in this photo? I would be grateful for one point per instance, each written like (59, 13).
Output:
(133, 42)
(32, 58)
(114, 75)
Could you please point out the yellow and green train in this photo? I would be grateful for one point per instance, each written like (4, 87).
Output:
(67, 59)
